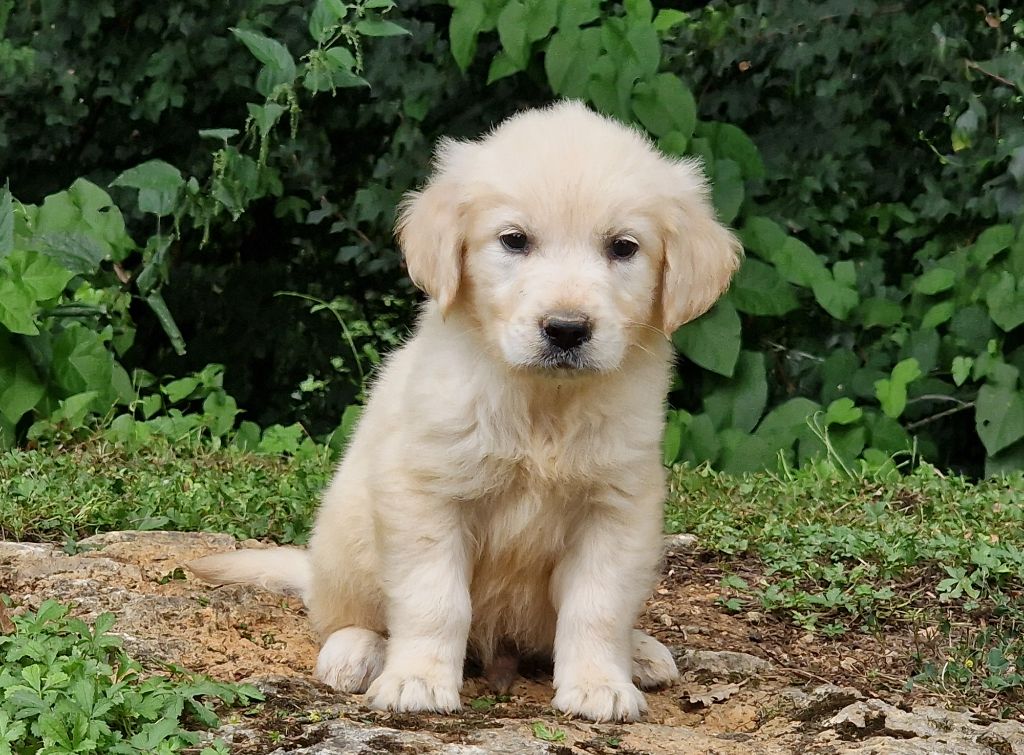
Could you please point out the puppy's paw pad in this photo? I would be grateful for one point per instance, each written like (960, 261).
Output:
(351, 659)
(653, 664)
(601, 701)
(413, 694)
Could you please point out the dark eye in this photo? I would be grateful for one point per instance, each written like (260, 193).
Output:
(515, 242)
(623, 248)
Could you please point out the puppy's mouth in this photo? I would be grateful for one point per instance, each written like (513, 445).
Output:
(564, 361)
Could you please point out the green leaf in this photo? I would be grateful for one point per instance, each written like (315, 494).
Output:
(156, 303)
(991, 242)
(787, 423)
(158, 183)
(265, 116)
(765, 237)
(758, 289)
(645, 48)
(672, 441)
(278, 61)
(836, 299)
(999, 417)
(17, 308)
(39, 275)
(727, 190)
(938, 314)
(379, 27)
(797, 262)
(935, 280)
(324, 19)
(20, 387)
(501, 66)
(664, 105)
(730, 142)
(877, 312)
(512, 33)
(668, 18)
(961, 369)
(569, 60)
(740, 402)
(463, 29)
(842, 411)
(541, 17)
(577, 13)
(891, 392)
(81, 361)
(220, 134)
(6, 221)
(1006, 302)
(713, 340)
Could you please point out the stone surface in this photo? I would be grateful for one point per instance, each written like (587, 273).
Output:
(242, 633)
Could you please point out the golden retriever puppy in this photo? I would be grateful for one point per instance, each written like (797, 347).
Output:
(504, 488)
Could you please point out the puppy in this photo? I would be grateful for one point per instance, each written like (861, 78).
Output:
(504, 488)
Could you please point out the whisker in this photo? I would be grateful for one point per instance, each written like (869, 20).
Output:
(637, 324)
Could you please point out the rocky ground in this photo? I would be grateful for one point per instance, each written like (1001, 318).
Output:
(749, 684)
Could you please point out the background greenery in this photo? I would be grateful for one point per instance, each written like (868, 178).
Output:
(196, 236)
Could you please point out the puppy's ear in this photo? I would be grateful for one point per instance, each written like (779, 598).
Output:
(701, 254)
(430, 229)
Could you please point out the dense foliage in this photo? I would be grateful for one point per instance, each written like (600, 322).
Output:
(871, 156)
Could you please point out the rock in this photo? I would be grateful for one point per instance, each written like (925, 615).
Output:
(882, 728)
(680, 543)
(824, 700)
(723, 663)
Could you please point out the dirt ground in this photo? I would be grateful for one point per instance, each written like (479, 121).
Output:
(238, 633)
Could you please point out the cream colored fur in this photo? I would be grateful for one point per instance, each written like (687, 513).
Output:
(487, 500)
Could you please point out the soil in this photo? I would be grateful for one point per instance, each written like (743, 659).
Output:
(726, 702)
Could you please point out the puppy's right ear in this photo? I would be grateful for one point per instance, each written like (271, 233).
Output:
(430, 230)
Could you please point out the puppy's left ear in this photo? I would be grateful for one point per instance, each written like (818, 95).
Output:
(701, 254)
(430, 230)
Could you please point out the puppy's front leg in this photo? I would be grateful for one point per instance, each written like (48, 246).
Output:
(425, 573)
(598, 590)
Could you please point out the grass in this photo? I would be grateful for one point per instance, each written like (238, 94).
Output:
(930, 556)
(70, 493)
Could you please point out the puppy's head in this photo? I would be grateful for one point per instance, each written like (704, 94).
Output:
(567, 239)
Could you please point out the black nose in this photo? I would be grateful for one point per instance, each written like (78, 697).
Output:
(566, 331)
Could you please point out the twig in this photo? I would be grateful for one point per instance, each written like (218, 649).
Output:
(940, 415)
(972, 65)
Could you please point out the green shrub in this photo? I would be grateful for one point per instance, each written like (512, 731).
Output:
(869, 155)
(66, 686)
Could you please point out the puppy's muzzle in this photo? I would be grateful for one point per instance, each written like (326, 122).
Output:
(566, 331)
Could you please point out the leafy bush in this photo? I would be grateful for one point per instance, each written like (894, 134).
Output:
(66, 686)
(870, 156)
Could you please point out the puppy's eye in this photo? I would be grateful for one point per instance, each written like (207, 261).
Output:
(623, 248)
(515, 242)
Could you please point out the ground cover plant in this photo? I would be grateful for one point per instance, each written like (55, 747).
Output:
(66, 686)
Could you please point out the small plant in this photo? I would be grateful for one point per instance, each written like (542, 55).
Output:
(66, 686)
(547, 733)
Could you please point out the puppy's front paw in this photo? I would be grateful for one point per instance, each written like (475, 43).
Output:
(653, 664)
(412, 693)
(601, 701)
(351, 659)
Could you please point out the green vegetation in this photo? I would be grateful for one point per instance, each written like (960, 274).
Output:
(833, 553)
(68, 687)
(883, 553)
(870, 155)
(73, 493)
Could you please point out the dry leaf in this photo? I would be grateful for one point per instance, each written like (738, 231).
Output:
(717, 694)
(6, 625)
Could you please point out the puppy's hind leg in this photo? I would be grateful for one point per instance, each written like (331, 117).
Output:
(351, 659)
(653, 664)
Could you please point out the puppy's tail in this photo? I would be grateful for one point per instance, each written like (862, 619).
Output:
(283, 570)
